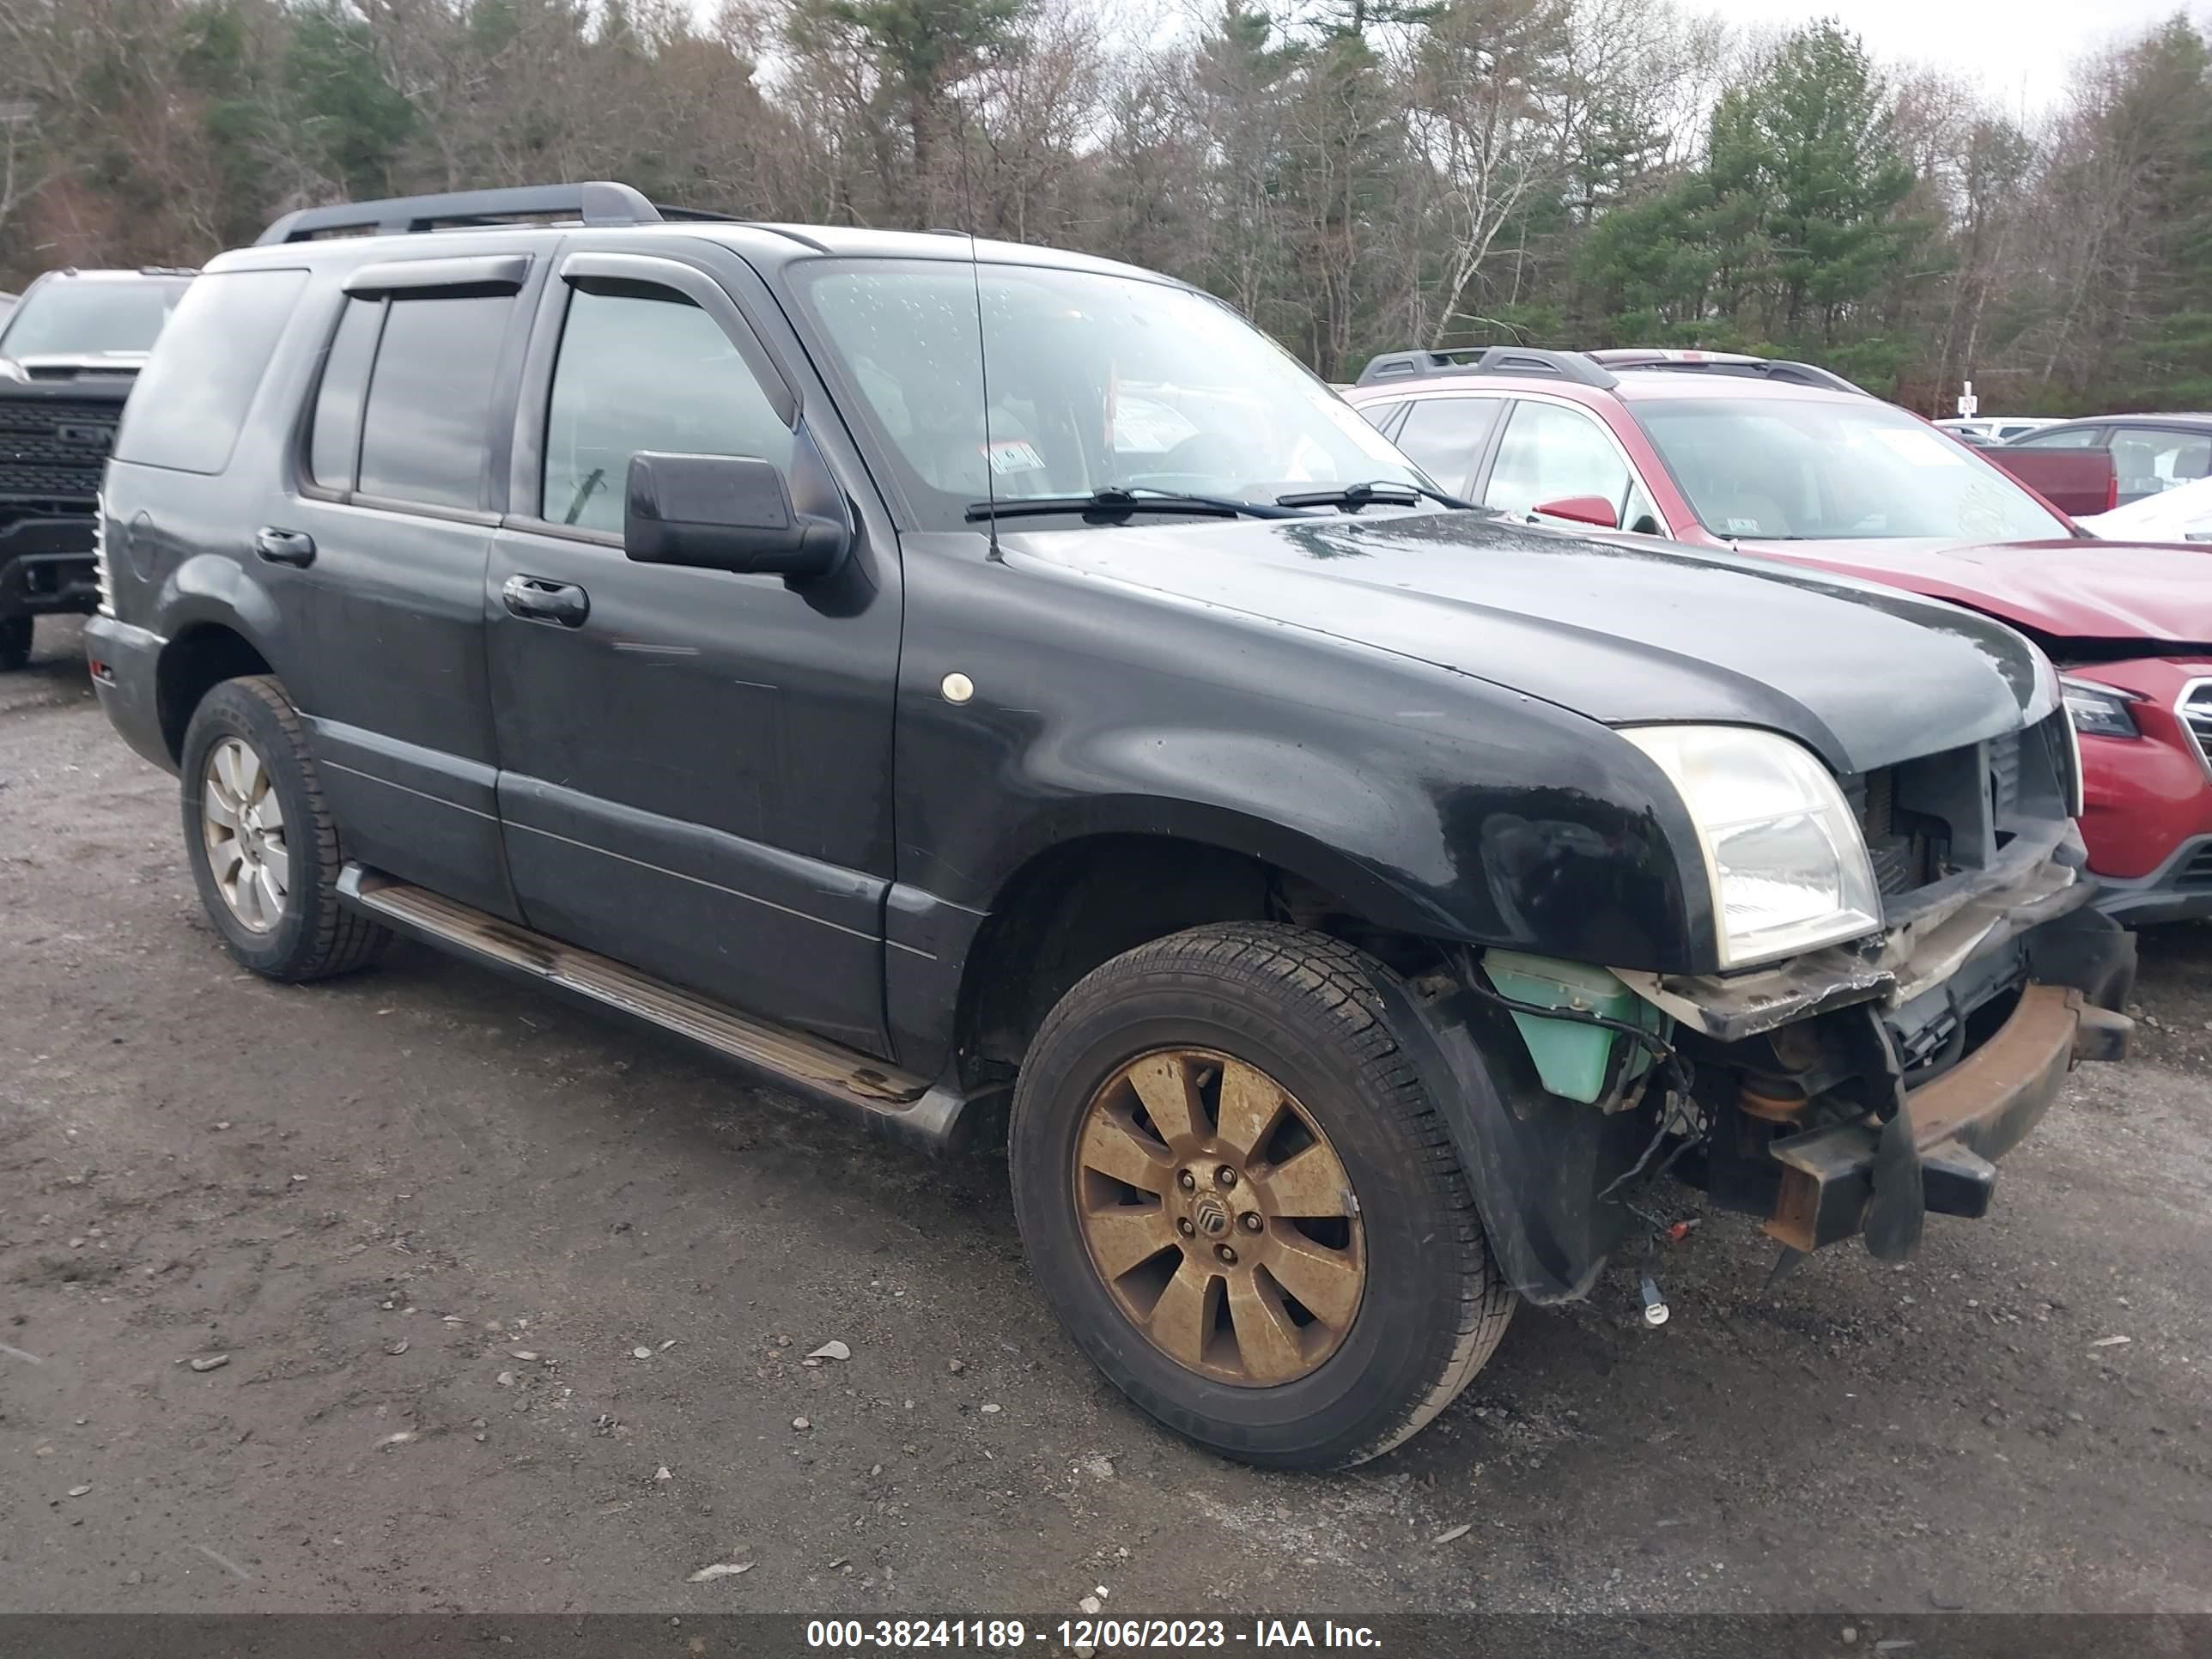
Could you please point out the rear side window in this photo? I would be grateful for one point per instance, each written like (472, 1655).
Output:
(190, 403)
(402, 409)
(1444, 435)
(334, 439)
(1379, 416)
(425, 425)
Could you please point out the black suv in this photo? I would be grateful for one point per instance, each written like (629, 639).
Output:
(983, 687)
(71, 347)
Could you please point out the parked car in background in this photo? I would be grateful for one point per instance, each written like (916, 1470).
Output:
(68, 353)
(952, 679)
(2183, 513)
(1996, 429)
(1846, 483)
(2151, 454)
(2075, 481)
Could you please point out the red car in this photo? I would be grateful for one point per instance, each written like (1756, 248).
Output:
(1841, 481)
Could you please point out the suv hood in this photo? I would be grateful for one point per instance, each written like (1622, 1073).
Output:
(1624, 633)
(71, 365)
(2061, 590)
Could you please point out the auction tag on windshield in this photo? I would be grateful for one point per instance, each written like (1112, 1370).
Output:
(1014, 455)
(1921, 448)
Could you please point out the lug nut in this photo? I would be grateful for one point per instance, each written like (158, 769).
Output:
(1225, 1176)
(1227, 1256)
(1250, 1221)
(1184, 1227)
(1187, 1181)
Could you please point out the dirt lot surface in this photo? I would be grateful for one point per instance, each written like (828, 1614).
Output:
(516, 1304)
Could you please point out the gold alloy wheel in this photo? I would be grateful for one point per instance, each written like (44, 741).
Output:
(1219, 1217)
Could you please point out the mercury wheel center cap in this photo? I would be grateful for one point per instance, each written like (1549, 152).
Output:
(1210, 1215)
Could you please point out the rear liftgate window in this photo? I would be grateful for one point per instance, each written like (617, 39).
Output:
(188, 406)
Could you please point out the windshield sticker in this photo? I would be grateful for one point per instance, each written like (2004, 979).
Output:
(1741, 527)
(1014, 455)
(1149, 427)
(1921, 448)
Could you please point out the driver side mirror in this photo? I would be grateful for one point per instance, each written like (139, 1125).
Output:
(1593, 510)
(738, 514)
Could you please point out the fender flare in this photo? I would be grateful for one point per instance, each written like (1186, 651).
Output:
(1536, 1163)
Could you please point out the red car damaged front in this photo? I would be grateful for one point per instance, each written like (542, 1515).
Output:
(1853, 485)
(2130, 630)
(1842, 482)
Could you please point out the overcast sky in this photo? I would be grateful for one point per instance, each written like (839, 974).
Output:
(2019, 48)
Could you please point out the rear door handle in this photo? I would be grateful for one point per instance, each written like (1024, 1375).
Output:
(536, 599)
(285, 546)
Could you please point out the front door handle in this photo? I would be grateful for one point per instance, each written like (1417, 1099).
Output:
(285, 546)
(536, 599)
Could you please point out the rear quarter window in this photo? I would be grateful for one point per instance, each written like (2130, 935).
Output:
(190, 403)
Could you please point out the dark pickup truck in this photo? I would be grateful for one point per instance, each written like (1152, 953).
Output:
(984, 690)
(68, 353)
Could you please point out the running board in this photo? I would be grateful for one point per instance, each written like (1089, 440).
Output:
(894, 1103)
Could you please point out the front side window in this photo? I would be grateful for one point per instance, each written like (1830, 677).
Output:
(2072, 437)
(1095, 381)
(641, 368)
(1809, 468)
(92, 316)
(1551, 453)
(425, 428)
(1444, 435)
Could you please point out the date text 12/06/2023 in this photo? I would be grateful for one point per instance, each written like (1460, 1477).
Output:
(1087, 1635)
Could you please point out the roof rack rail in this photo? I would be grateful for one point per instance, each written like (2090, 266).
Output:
(1485, 360)
(1739, 363)
(596, 203)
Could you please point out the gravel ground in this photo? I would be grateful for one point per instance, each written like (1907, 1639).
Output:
(516, 1303)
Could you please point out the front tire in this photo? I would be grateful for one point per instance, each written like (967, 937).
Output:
(15, 642)
(263, 850)
(1242, 1202)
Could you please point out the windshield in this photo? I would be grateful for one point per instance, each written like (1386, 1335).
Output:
(1807, 469)
(79, 319)
(1097, 382)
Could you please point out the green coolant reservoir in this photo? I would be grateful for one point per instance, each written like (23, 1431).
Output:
(1570, 1056)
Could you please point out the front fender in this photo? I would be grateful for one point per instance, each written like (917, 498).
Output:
(1519, 840)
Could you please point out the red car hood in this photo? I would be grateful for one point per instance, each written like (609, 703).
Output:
(2075, 590)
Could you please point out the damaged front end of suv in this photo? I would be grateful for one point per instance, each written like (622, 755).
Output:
(1832, 1085)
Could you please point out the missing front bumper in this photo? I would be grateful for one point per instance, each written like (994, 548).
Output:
(1961, 1123)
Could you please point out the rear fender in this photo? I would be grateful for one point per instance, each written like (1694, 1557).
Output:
(210, 589)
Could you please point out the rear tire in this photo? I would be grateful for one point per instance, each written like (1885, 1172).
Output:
(1187, 1022)
(263, 850)
(15, 642)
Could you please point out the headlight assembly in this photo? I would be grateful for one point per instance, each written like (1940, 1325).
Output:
(1787, 864)
(2099, 711)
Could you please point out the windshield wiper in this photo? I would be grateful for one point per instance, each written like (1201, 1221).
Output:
(1377, 492)
(1105, 505)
